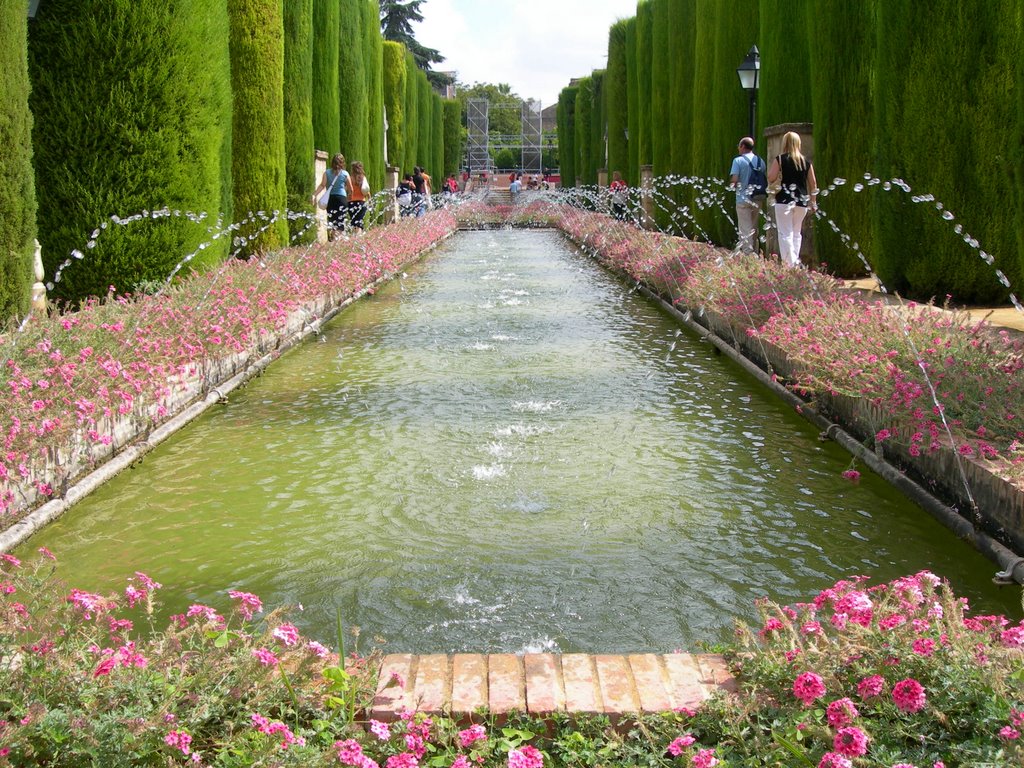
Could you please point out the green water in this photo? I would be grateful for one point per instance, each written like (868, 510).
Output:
(505, 450)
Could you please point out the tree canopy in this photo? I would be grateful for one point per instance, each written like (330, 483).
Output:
(396, 19)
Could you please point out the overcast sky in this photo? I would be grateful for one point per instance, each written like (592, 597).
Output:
(536, 46)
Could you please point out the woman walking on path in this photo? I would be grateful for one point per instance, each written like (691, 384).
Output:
(798, 190)
(358, 192)
(335, 178)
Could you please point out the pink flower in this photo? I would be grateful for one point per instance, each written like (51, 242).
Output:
(461, 762)
(851, 742)
(834, 760)
(870, 687)
(472, 735)
(841, 712)
(678, 745)
(924, 646)
(404, 760)
(317, 649)
(47, 553)
(248, 603)
(179, 740)
(1009, 733)
(852, 475)
(808, 687)
(380, 730)
(705, 758)
(105, 667)
(265, 657)
(1013, 637)
(287, 634)
(909, 695)
(206, 612)
(525, 757)
(350, 752)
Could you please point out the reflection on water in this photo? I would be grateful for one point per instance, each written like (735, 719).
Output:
(506, 450)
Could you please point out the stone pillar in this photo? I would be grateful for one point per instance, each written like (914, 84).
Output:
(774, 135)
(602, 178)
(647, 196)
(391, 184)
(604, 204)
(38, 287)
(319, 168)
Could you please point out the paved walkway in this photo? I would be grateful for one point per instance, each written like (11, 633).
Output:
(543, 683)
(1005, 317)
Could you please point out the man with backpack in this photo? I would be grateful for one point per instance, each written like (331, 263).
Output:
(749, 179)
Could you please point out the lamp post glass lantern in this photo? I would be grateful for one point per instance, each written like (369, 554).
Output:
(750, 74)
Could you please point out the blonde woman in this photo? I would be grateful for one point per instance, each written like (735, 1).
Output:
(335, 178)
(358, 192)
(799, 189)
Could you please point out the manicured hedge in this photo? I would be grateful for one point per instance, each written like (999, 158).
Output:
(326, 87)
(598, 126)
(139, 122)
(352, 83)
(615, 101)
(567, 135)
(945, 88)
(586, 173)
(642, 66)
(412, 113)
(784, 95)
(452, 136)
(298, 110)
(632, 173)
(437, 139)
(258, 158)
(394, 101)
(17, 187)
(373, 64)
(842, 136)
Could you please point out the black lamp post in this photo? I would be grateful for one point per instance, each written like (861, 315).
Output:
(750, 72)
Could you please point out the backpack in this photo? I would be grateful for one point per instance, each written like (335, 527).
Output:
(757, 184)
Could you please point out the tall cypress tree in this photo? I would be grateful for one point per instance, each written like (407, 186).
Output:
(784, 93)
(394, 101)
(298, 109)
(17, 190)
(412, 113)
(842, 133)
(644, 51)
(326, 86)
(138, 124)
(452, 136)
(373, 64)
(258, 159)
(683, 100)
(586, 172)
(616, 100)
(663, 48)
(567, 135)
(437, 132)
(352, 80)
(958, 153)
(598, 125)
(632, 173)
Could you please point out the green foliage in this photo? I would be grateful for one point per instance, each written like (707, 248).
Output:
(412, 114)
(784, 93)
(684, 64)
(437, 139)
(598, 125)
(586, 172)
(453, 134)
(632, 172)
(373, 64)
(298, 112)
(960, 153)
(396, 20)
(139, 123)
(567, 135)
(644, 96)
(614, 87)
(424, 123)
(842, 136)
(394, 101)
(17, 190)
(258, 159)
(352, 80)
(503, 116)
(326, 86)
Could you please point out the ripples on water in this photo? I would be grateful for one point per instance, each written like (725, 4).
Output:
(505, 450)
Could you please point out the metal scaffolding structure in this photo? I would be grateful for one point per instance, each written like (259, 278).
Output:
(532, 136)
(478, 156)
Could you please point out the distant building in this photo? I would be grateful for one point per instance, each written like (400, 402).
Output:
(549, 118)
(447, 91)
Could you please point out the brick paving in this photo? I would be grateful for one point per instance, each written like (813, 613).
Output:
(543, 683)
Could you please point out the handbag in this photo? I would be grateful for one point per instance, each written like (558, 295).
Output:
(321, 202)
(366, 186)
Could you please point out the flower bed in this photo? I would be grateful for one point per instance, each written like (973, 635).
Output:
(77, 386)
(897, 674)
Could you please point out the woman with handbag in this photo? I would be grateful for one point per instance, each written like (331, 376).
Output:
(334, 185)
(799, 190)
(358, 193)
